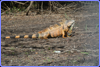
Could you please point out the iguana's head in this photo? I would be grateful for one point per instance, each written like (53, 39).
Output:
(70, 23)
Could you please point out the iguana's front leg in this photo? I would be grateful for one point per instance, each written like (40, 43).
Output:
(63, 34)
(45, 38)
(69, 33)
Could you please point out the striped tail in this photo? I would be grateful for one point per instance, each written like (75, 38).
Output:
(22, 36)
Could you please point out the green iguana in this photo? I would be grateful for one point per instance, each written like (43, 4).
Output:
(64, 28)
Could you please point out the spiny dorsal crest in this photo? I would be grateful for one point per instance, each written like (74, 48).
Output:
(63, 21)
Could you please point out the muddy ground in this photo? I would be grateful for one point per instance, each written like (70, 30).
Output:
(80, 50)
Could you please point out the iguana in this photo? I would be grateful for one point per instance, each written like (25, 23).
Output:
(64, 28)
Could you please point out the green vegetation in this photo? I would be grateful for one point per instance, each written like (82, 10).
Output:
(44, 61)
(85, 53)
(48, 48)
(12, 48)
(78, 57)
(5, 55)
(66, 16)
(2, 63)
(32, 50)
(97, 26)
(14, 9)
(75, 62)
(13, 53)
(26, 53)
(48, 59)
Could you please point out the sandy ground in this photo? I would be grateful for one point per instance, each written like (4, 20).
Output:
(80, 50)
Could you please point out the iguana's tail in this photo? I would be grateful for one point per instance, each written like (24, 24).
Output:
(38, 35)
(22, 36)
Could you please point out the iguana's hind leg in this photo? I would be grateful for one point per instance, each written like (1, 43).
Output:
(44, 35)
(45, 38)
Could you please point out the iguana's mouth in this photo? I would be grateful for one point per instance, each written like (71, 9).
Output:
(71, 27)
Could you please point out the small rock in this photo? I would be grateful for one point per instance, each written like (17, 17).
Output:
(57, 51)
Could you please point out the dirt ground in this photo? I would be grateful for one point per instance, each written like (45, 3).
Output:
(80, 50)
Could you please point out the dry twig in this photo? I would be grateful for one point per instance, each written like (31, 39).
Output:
(20, 2)
(28, 8)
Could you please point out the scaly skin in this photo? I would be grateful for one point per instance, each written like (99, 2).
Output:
(64, 29)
